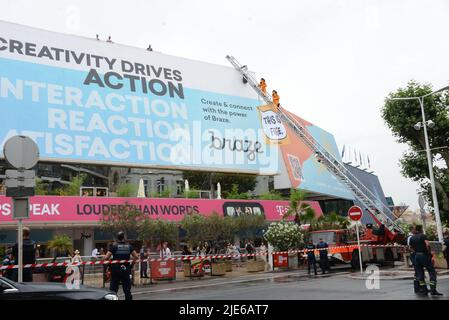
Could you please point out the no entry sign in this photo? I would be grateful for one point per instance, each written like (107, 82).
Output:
(355, 213)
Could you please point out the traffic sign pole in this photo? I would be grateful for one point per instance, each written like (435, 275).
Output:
(21, 153)
(20, 250)
(355, 213)
(360, 249)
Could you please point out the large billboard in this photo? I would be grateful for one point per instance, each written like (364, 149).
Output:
(89, 101)
(89, 210)
(301, 168)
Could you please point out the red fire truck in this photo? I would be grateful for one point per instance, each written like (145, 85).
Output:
(377, 245)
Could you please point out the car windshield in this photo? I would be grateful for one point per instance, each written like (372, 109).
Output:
(328, 237)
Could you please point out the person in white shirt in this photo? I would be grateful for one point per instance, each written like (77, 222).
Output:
(95, 253)
(165, 251)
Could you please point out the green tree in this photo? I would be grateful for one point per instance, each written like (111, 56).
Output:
(201, 180)
(302, 211)
(272, 195)
(41, 187)
(213, 229)
(124, 218)
(158, 231)
(73, 189)
(332, 221)
(400, 116)
(195, 227)
(249, 225)
(62, 244)
(235, 194)
(127, 190)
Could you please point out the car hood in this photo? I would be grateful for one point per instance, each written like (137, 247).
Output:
(57, 287)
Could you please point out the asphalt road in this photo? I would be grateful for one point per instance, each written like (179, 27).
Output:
(294, 287)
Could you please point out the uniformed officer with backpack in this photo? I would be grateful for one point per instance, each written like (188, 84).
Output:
(311, 260)
(121, 272)
(423, 259)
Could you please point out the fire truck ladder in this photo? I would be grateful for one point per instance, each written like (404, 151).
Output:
(378, 210)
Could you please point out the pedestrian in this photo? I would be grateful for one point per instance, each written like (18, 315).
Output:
(276, 99)
(412, 260)
(95, 253)
(263, 86)
(29, 255)
(7, 261)
(109, 39)
(446, 248)
(311, 260)
(149, 48)
(76, 258)
(263, 251)
(165, 251)
(121, 272)
(249, 249)
(324, 260)
(186, 251)
(423, 259)
(143, 255)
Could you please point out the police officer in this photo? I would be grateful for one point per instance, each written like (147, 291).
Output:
(324, 261)
(412, 260)
(29, 255)
(310, 249)
(121, 272)
(423, 259)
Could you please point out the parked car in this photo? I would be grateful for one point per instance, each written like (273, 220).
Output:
(10, 290)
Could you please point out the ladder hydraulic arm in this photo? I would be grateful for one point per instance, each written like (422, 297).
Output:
(380, 212)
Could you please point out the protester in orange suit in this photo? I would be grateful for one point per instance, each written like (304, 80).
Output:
(275, 98)
(263, 85)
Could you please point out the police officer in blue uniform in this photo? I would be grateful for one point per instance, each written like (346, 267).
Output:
(412, 260)
(423, 259)
(324, 261)
(310, 250)
(121, 272)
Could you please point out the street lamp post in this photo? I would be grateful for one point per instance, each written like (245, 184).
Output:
(424, 124)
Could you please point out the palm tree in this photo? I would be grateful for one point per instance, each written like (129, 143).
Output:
(302, 211)
(330, 222)
(61, 244)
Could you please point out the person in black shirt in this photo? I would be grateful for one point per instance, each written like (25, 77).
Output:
(310, 250)
(423, 259)
(324, 260)
(121, 272)
(412, 260)
(29, 254)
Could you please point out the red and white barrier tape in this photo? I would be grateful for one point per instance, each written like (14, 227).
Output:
(217, 256)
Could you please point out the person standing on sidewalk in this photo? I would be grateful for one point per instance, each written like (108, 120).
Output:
(423, 259)
(29, 255)
(143, 264)
(311, 260)
(121, 272)
(324, 260)
(412, 260)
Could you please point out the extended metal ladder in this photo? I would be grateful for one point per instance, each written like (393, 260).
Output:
(378, 210)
